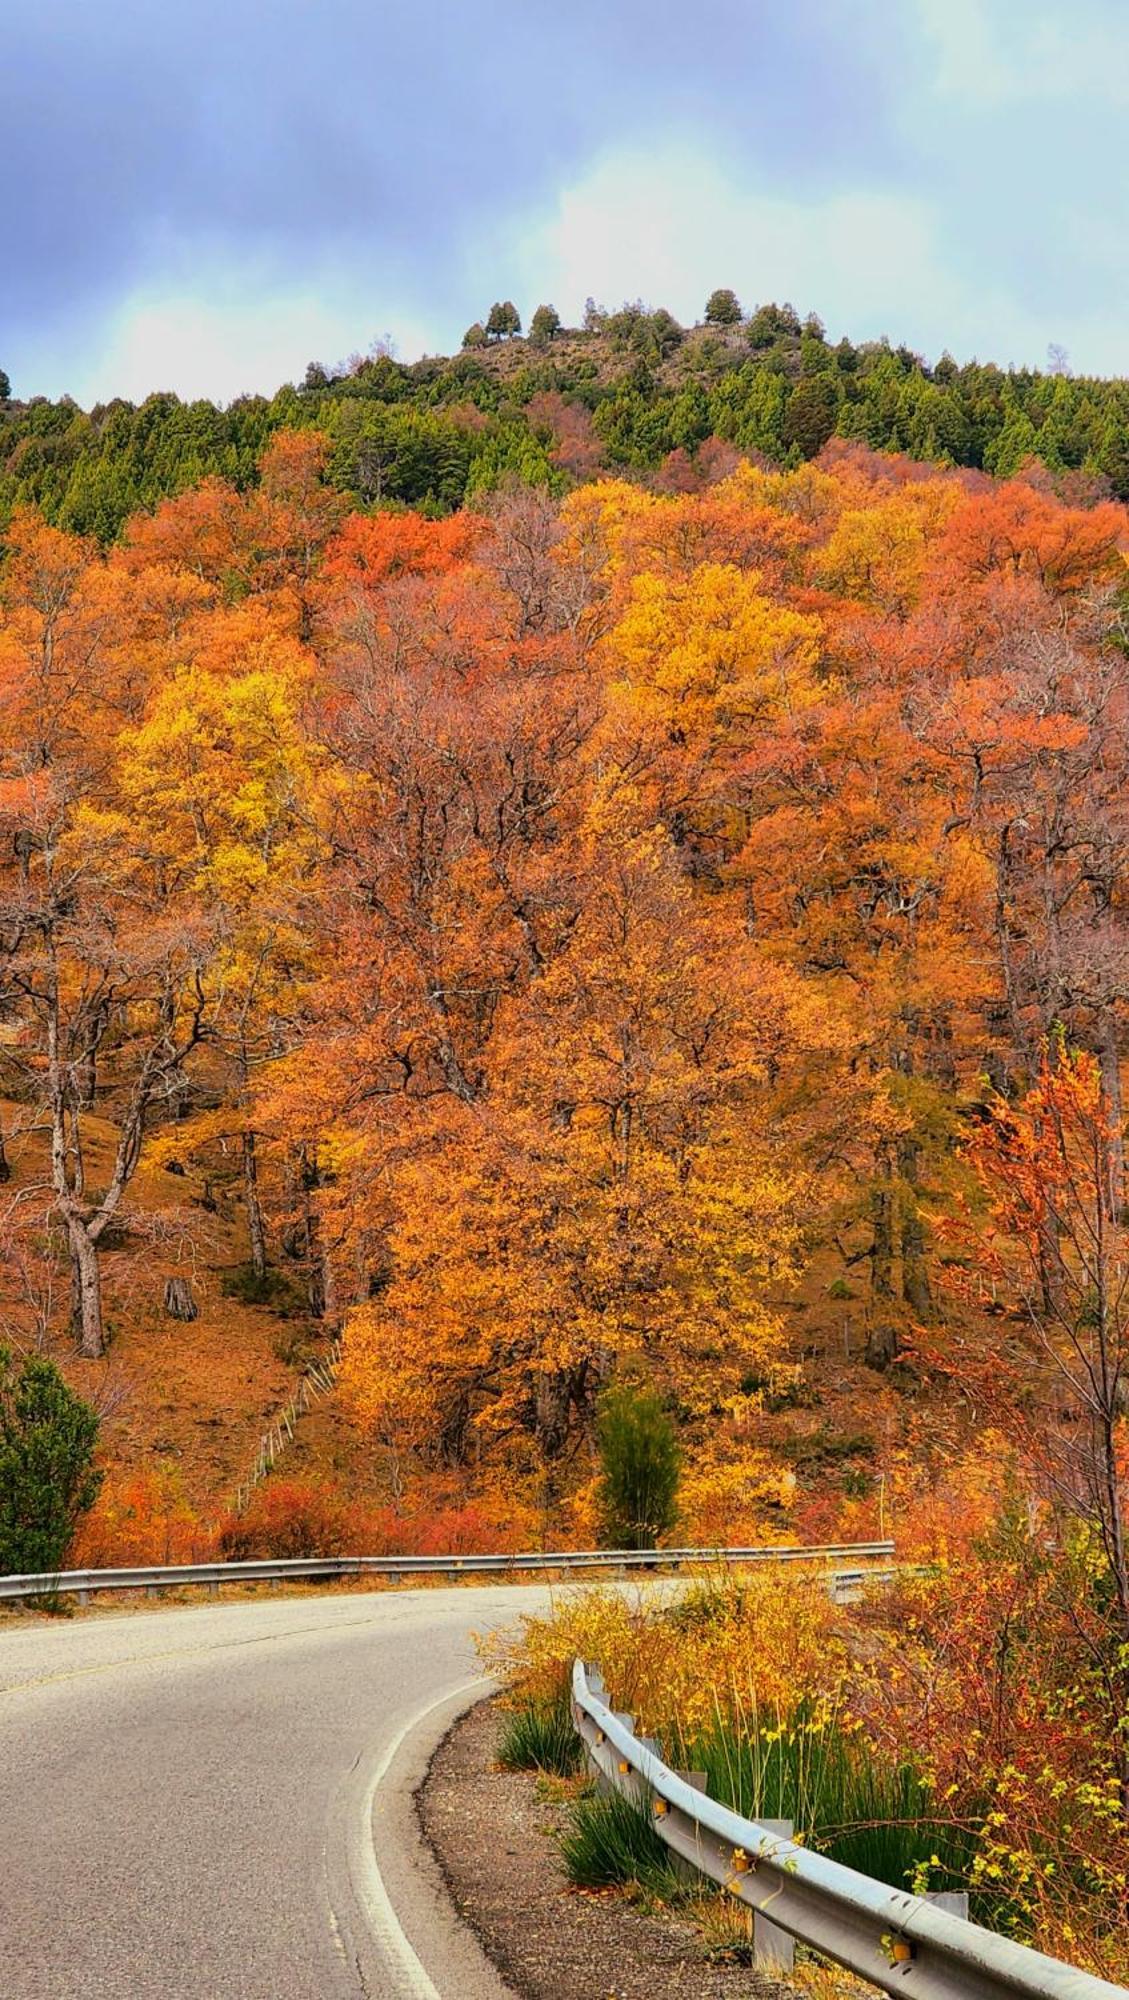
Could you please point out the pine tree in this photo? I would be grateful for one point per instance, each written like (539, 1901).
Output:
(47, 1440)
(641, 1461)
(723, 308)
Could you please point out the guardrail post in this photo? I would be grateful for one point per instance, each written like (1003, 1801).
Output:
(684, 1868)
(773, 1949)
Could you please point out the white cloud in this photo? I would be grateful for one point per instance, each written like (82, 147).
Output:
(238, 333)
(666, 224)
(992, 52)
(669, 225)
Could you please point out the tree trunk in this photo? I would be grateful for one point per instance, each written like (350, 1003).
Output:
(86, 1081)
(86, 1291)
(179, 1300)
(315, 1289)
(552, 1396)
(915, 1275)
(1110, 1067)
(86, 1068)
(5, 1164)
(454, 1429)
(881, 1350)
(882, 1223)
(326, 1286)
(254, 1207)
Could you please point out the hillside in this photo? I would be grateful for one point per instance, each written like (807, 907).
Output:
(570, 938)
(632, 392)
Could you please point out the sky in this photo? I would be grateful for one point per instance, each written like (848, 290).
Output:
(205, 195)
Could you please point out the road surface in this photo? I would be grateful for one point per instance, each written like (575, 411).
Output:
(214, 1802)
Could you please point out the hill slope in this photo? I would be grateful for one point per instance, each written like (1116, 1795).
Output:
(626, 393)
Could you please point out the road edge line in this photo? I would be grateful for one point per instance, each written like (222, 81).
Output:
(372, 1895)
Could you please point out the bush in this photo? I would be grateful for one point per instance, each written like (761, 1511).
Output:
(874, 1813)
(292, 1517)
(610, 1840)
(141, 1518)
(540, 1737)
(640, 1464)
(47, 1478)
(269, 1288)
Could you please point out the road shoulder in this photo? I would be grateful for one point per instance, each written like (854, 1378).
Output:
(488, 1829)
(438, 1954)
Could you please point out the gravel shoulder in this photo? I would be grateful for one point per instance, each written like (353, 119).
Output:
(490, 1831)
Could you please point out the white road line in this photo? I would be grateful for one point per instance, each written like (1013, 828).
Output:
(368, 1882)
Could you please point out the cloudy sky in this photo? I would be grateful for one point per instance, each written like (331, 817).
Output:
(204, 195)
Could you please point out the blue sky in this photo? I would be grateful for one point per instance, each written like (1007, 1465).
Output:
(207, 194)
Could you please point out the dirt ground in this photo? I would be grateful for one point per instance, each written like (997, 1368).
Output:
(492, 1833)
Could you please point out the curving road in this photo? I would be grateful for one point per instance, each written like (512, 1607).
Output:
(216, 1802)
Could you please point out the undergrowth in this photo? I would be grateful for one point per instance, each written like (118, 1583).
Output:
(610, 1841)
(874, 1814)
(540, 1737)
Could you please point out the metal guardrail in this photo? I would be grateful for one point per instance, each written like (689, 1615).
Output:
(897, 1941)
(82, 1583)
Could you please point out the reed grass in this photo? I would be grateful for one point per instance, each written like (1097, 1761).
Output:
(540, 1736)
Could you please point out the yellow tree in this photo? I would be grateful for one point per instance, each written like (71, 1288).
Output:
(609, 1195)
(102, 961)
(224, 773)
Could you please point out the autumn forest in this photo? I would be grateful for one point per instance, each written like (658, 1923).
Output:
(651, 924)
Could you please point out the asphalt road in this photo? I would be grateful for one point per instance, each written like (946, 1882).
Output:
(215, 1801)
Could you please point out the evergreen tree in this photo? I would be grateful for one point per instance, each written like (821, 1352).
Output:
(47, 1479)
(546, 322)
(723, 308)
(809, 419)
(503, 321)
(771, 323)
(640, 1463)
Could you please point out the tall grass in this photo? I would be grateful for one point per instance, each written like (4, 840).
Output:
(610, 1840)
(846, 1801)
(540, 1736)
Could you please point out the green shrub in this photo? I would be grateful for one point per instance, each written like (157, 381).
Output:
(827, 1446)
(541, 1737)
(871, 1813)
(609, 1840)
(47, 1478)
(269, 1288)
(640, 1465)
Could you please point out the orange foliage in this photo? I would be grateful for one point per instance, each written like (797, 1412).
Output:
(568, 916)
(139, 1521)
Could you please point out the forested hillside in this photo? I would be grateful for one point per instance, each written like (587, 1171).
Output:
(658, 947)
(567, 937)
(630, 390)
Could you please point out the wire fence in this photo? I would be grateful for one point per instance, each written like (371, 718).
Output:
(319, 1381)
